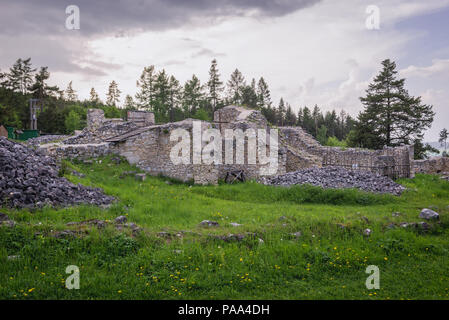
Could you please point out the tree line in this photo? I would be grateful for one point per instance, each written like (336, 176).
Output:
(390, 117)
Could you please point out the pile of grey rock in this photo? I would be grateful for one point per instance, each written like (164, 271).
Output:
(29, 179)
(337, 177)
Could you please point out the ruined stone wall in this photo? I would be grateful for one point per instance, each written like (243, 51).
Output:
(100, 128)
(305, 151)
(150, 151)
(141, 118)
(76, 151)
(298, 144)
(393, 162)
(107, 129)
(95, 118)
(149, 147)
(239, 118)
(434, 165)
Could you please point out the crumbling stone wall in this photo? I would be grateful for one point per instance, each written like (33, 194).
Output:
(393, 162)
(239, 118)
(150, 151)
(434, 165)
(108, 128)
(95, 118)
(141, 118)
(76, 151)
(305, 151)
(100, 128)
(149, 147)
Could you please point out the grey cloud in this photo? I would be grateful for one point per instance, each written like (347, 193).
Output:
(37, 28)
(61, 54)
(113, 17)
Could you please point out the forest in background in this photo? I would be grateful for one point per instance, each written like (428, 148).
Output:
(390, 117)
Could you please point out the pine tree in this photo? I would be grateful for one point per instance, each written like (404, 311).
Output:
(263, 94)
(129, 103)
(214, 85)
(161, 96)
(290, 117)
(317, 119)
(40, 89)
(145, 96)
(235, 87)
(391, 116)
(299, 118)
(280, 113)
(175, 96)
(94, 96)
(192, 96)
(113, 95)
(70, 93)
(249, 95)
(20, 76)
(307, 121)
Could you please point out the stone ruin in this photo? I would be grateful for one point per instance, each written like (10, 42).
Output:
(148, 146)
(434, 165)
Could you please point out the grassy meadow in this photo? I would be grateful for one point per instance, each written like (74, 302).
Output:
(327, 261)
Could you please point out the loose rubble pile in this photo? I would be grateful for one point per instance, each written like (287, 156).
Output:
(29, 179)
(336, 177)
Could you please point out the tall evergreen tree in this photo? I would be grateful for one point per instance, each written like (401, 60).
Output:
(20, 76)
(214, 85)
(391, 116)
(175, 96)
(290, 117)
(162, 96)
(94, 98)
(129, 103)
(235, 87)
(249, 95)
(70, 93)
(280, 113)
(308, 123)
(40, 89)
(113, 94)
(192, 96)
(299, 118)
(263, 94)
(317, 119)
(145, 96)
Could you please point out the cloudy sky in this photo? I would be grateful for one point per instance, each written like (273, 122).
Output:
(309, 51)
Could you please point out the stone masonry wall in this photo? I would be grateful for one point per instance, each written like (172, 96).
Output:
(434, 165)
(141, 118)
(305, 151)
(75, 151)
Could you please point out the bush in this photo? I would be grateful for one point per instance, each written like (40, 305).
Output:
(334, 142)
(72, 122)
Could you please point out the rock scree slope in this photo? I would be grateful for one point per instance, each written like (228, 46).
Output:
(29, 179)
(337, 177)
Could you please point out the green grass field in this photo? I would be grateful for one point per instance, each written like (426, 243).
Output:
(328, 261)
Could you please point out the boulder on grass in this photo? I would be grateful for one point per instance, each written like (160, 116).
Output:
(429, 214)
